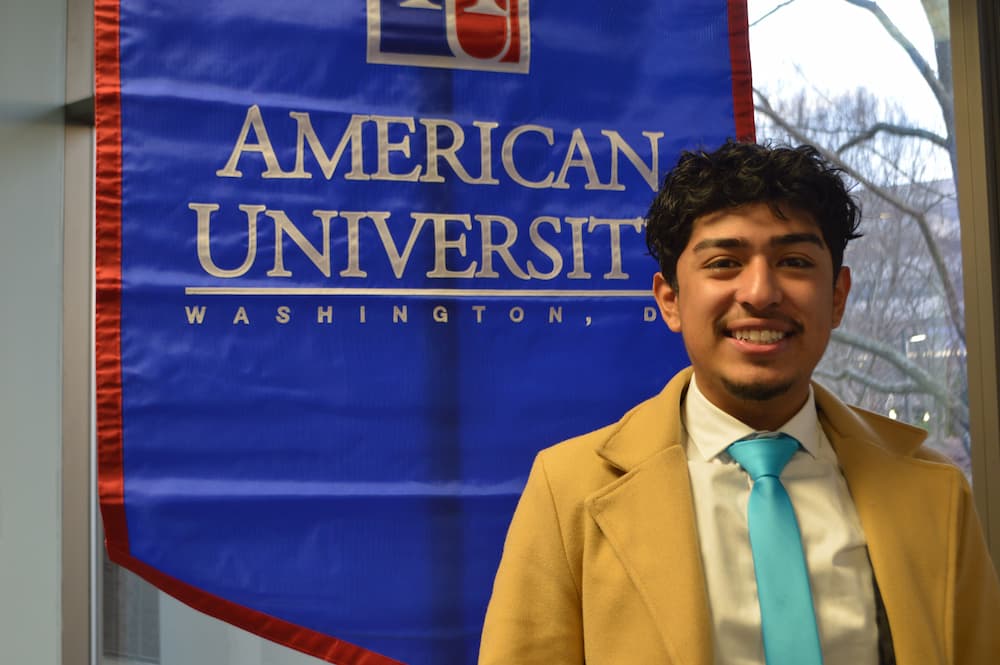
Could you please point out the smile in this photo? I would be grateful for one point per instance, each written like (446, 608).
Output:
(759, 336)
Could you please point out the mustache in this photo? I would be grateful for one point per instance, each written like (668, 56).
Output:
(722, 325)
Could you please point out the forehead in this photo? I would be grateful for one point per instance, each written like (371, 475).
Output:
(753, 221)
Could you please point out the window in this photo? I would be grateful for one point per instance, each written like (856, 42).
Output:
(872, 89)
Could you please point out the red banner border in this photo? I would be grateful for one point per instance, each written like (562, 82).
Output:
(107, 334)
(739, 60)
(108, 272)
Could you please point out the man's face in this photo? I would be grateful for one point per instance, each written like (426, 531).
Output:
(755, 302)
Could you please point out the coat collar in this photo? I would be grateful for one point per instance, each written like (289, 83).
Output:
(648, 428)
(656, 424)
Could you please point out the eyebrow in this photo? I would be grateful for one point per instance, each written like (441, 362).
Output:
(776, 241)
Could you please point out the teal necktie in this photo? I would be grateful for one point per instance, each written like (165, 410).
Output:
(787, 618)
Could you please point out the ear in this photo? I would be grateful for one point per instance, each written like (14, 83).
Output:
(841, 287)
(666, 298)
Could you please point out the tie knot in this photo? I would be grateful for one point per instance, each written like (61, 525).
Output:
(764, 456)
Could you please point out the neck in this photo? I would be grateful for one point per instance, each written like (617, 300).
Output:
(767, 414)
(763, 415)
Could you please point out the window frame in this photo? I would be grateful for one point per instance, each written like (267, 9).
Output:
(976, 70)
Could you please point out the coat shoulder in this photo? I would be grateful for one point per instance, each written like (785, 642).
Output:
(898, 439)
(893, 433)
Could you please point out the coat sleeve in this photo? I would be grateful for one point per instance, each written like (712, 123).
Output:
(535, 614)
(975, 628)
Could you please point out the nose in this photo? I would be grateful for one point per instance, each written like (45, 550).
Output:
(758, 287)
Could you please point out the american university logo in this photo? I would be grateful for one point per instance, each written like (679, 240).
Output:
(489, 35)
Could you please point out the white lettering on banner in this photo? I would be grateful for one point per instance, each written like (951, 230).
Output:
(204, 212)
(498, 248)
(195, 314)
(283, 315)
(395, 139)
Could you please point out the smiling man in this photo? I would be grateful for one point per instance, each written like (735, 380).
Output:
(745, 515)
(761, 307)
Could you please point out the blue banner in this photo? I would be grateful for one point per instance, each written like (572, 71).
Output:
(356, 265)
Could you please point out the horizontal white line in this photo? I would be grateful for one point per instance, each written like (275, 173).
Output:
(417, 293)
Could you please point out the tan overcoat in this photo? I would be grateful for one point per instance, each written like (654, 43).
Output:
(602, 564)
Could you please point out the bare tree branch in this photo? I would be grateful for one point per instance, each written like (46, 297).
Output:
(924, 381)
(781, 6)
(941, 93)
(896, 130)
(867, 380)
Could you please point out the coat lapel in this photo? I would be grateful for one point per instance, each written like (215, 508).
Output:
(904, 530)
(647, 516)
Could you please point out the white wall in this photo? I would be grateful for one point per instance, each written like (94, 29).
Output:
(32, 84)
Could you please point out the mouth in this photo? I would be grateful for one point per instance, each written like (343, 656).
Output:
(758, 336)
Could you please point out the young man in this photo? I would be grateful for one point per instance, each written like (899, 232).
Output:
(651, 541)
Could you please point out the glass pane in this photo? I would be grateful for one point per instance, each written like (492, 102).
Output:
(872, 89)
(131, 621)
(141, 625)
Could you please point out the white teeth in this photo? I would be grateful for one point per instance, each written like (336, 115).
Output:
(759, 336)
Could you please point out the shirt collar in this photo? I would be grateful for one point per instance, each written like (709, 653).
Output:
(711, 430)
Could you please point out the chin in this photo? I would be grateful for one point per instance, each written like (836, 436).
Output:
(757, 391)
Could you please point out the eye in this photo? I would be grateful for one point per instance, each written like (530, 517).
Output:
(722, 263)
(797, 262)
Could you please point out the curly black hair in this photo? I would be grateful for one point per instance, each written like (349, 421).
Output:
(738, 174)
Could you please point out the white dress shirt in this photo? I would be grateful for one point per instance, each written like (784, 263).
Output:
(839, 570)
